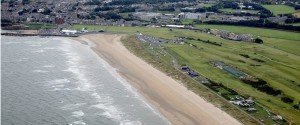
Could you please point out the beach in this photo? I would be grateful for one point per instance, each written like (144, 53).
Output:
(174, 101)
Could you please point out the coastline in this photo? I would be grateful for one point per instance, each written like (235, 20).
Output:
(172, 99)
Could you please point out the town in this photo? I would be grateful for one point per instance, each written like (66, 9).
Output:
(25, 14)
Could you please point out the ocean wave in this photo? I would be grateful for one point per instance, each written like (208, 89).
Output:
(78, 123)
(72, 106)
(49, 66)
(110, 111)
(39, 51)
(58, 81)
(35, 45)
(114, 72)
(78, 113)
(128, 122)
(40, 71)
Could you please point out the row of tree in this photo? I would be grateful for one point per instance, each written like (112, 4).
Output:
(263, 12)
(262, 86)
(259, 23)
(129, 2)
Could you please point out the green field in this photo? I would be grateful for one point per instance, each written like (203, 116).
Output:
(272, 38)
(279, 9)
(229, 10)
(207, 5)
(187, 21)
(280, 53)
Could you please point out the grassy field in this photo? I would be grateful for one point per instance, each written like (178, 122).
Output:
(238, 10)
(263, 32)
(279, 9)
(281, 66)
(207, 5)
(272, 38)
(187, 21)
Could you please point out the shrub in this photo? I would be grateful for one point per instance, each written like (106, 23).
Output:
(287, 99)
(258, 40)
(296, 106)
(245, 55)
(262, 86)
(258, 60)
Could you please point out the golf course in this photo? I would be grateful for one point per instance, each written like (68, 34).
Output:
(276, 62)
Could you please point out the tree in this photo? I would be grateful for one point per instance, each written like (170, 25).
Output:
(25, 2)
(258, 40)
(47, 11)
(287, 100)
(296, 106)
(110, 15)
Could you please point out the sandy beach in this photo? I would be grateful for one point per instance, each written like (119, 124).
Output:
(179, 105)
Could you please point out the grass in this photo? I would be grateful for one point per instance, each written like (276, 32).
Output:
(207, 5)
(276, 76)
(281, 68)
(263, 32)
(36, 26)
(272, 38)
(187, 21)
(238, 10)
(296, 24)
(279, 9)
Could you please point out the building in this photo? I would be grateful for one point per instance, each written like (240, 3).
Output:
(69, 32)
(148, 16)
(59, 20)
(198, 16)
(175, 26)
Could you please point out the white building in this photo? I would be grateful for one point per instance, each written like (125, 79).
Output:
(147, 15)
(175, 26)
(189, 15)
(69, 32)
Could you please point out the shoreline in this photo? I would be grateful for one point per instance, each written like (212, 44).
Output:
(169, 97)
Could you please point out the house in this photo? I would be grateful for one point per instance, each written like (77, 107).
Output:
(249, 100)
(251, 109)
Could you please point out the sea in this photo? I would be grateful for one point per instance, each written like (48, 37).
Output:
(59, 81)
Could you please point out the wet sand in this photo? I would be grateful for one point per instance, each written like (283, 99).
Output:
(179, 105)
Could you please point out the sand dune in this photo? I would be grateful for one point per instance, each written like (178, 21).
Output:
(179, 105)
